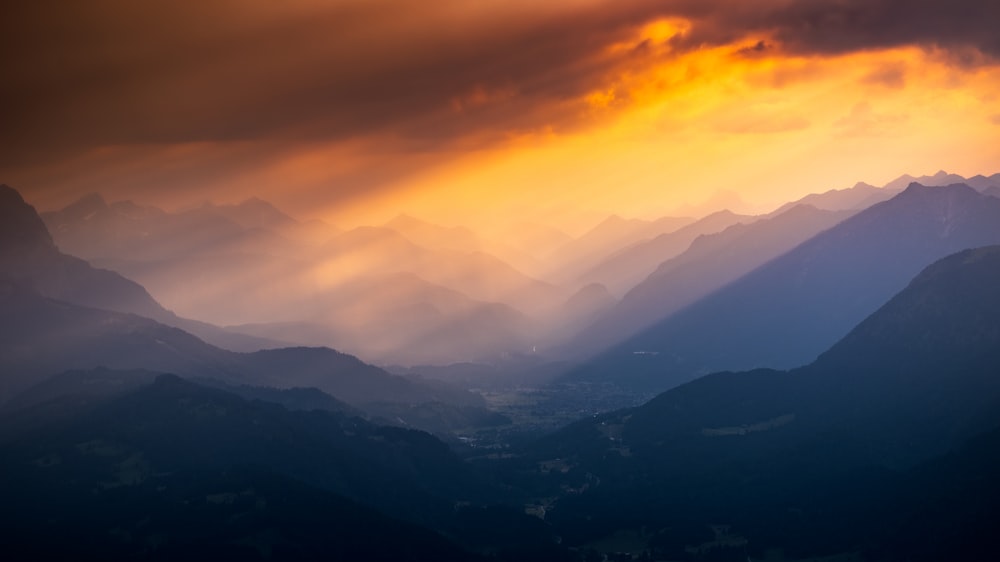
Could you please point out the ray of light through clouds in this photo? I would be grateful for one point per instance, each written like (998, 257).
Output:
(464, 112)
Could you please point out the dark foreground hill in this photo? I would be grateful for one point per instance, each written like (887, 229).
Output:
(174, 469)
(40, 337)
(849, 454)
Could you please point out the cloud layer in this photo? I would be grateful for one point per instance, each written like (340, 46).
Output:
(116, 71)
(197, 92)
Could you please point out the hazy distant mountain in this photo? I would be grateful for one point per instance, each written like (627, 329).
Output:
(523, 246)
(980, 182)
(856, 198)
(228, 263)
(536, 240)
(201, 263)
(428, 235)
(627, 267)
(373, 250)
(786, 312)
(712, 261)
(93, 229)
(252, 213)
(403, 319)
(225, 288)
(992, 191)
(784, 457)
(581, 254)
(590, 302)
(864, 195)
(41, 336)
(250, 241)
(29, 258)
(941, 178)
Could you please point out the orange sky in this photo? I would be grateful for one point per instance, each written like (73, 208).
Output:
(470, 112)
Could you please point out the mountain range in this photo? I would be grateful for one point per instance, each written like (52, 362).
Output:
(823, 460)
(709, 263)
(127, 436)
(786, 312)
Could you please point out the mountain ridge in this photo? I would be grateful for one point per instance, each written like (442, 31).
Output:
(788, 311)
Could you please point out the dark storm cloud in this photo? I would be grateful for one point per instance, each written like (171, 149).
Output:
(838, 26)
(86, 74)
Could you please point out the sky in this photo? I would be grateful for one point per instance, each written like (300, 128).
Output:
(472, 111)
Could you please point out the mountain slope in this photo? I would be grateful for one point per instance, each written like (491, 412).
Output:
(41, 336)
(219, 268)
(404, 319)
(825, 459)
(712, 261)
(627, 267)
(479, 275)
(173, 430)
(29, 257)
(785, 313)
(855, 198)
(614, 233)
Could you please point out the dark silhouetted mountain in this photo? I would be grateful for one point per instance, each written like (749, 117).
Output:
(437, 418)
(992, 191)
(151, 449)
(786, 312)
(570, 261)
(292, 399)
(942, 510)
(833, 457)
(711, 262)
(40, 336)
(345, 377)
(240, 514)
(63, 396)
(627, 267)
(30, 258)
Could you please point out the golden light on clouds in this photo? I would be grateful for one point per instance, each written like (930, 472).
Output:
(490, 111)
(766, 125)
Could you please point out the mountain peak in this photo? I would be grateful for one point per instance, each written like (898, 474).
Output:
(916, 188)
(403, 220)
(85, 206)
(20, 226)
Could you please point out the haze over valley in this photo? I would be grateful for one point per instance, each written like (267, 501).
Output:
(588, 281)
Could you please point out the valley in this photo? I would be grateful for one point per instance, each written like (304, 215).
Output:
(606, 465)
